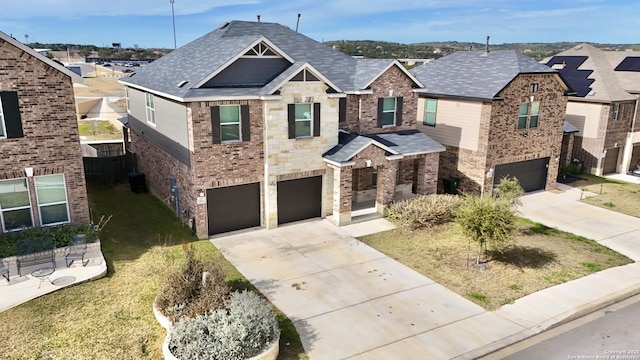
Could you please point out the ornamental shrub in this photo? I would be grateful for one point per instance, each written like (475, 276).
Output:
(184, 294)
(424, 211)
(244, 328)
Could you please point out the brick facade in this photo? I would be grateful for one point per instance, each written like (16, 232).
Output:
(50, 144)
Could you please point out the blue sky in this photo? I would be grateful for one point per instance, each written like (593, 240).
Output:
(148, 23)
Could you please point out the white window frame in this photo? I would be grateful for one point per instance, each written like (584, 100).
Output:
(395, 108)
(150, 106)
(239, 123)
(2, 211)
(65, 202)
(616, 111)
(309, 120)
(3, 125)
(434, 112)
(528, 115)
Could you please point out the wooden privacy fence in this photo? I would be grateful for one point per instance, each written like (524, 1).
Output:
(108, 171)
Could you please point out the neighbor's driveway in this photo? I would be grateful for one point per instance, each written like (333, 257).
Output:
(347, 300)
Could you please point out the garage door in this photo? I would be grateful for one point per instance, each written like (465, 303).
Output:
(233, 208)
(532, 174)
(635, 158)
(610, 161)
(299, 199)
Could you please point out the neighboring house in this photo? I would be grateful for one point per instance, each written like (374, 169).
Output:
(604, 106)
(240, 128)
(499, 113)
(42, 178)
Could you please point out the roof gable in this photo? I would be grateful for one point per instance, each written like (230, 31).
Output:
(368, 70)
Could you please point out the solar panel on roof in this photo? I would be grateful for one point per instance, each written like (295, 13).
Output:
(630, 63)
(577, 79)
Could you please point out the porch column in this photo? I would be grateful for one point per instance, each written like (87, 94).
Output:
(342, 192)
(386, 185)
(428, 174)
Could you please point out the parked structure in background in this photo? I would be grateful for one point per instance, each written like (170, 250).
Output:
(499, 113)
(254, 124)
(42, 180)
(604, 106)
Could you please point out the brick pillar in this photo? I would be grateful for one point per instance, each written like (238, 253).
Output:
(342, 190)
(386, 185)
(428, 174)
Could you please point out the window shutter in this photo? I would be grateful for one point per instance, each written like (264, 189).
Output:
(246, 124)
(215, 124)
(316, 119)
(291, 117)
(342, 110)
(399, 111)
(380, 108)
(11, 111)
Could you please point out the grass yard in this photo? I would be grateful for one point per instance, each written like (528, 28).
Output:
(112, 318)
(619, 196)
(541, 258)
(98, 129)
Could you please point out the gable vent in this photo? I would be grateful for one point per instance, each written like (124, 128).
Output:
(182, 83)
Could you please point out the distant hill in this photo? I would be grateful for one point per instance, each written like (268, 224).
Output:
(434, 50)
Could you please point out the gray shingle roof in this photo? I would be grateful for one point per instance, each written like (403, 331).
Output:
(407, 142)
(199, 59)
(568, 128)
(475, 74)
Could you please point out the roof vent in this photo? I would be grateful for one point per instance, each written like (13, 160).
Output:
(223, 25)
(182, 83)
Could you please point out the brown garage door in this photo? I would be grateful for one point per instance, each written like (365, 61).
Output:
(532, 174)
(610, 161)
(299, 199)
(233, 208)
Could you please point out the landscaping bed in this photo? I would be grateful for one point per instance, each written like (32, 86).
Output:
(541, 257)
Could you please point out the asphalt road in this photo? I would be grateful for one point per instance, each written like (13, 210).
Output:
(610, 333)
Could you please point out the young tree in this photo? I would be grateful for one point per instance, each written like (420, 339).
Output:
(509, 189)
(488, 221)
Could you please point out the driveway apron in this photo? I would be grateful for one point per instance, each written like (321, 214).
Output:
(347, 300)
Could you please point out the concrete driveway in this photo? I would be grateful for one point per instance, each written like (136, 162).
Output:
(348, 300)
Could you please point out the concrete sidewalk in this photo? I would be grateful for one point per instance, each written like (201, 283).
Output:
(26, 287)
(349, 301)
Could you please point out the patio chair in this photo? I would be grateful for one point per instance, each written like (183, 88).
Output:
(77, 250)
(4, 269)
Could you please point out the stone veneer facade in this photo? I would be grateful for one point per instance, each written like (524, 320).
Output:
(51, 144)
(500, 142)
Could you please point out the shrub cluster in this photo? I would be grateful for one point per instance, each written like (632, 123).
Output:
(60, 236)
(424, 211)
(186, 296)
(244, 328)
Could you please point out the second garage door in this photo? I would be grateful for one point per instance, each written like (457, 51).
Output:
(299, 199)
(233, 208)
(532, 174)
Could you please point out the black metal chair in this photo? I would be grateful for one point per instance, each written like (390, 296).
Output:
(77, 250)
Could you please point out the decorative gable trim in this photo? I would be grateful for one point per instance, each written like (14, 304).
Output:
(261, 40)
(402, 68)
(303, 67)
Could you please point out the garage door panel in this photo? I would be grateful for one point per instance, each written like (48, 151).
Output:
(299, 199)
(610, 161)
(233, 208)
(532, 174)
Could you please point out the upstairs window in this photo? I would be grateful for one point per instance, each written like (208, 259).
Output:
(304, 120)
(151, 109)
(616, 111)
(529, 115)
(430, 107)
(230, 123)
(389, 111)
(15, 206)
(10, 119)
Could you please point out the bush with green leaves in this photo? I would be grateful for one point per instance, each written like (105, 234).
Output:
(185, 294)
(424, 211)
(244, 328)
(60, 236)
(509, 189)
(491, 222)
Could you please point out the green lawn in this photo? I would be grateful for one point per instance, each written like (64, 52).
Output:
(112, 318)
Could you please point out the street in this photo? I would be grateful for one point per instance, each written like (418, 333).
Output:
(609, 333)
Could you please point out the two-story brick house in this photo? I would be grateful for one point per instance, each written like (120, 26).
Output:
(231, 128)
(42, 178)
(499, 113)
(603, 107)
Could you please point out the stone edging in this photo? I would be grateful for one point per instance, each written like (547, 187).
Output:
(270, 353)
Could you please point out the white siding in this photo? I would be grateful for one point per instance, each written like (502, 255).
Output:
(584, 116)
(457, 123)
